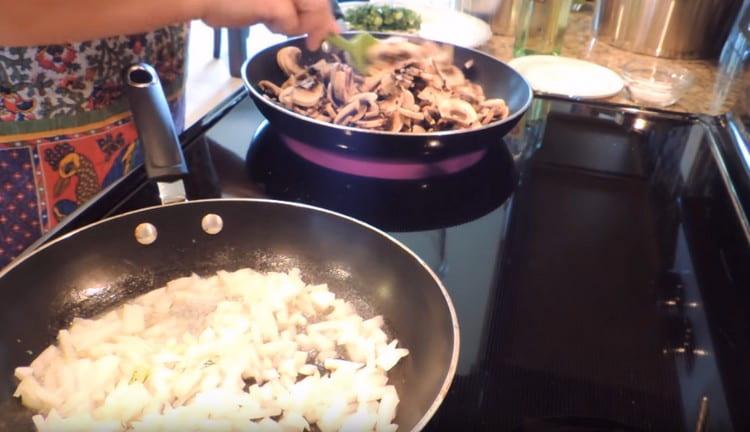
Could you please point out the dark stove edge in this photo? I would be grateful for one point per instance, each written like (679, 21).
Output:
(727, 148)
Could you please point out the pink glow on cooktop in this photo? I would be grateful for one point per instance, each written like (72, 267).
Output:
(387, 169)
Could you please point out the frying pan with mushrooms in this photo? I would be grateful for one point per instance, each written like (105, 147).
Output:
(412, 87)
(420, 100)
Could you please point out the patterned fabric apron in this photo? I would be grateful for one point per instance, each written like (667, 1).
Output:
(65, 130)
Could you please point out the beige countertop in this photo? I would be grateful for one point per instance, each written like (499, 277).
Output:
(713, 92)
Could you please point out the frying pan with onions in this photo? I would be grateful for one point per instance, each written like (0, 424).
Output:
(101, 266)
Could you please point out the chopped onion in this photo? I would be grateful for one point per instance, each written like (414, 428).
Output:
(181, 358)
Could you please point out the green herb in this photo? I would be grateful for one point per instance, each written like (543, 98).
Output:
(383, 18)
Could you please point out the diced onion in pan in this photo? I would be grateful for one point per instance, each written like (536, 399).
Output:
(238, 351)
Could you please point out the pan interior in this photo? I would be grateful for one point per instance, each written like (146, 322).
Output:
(102, 266)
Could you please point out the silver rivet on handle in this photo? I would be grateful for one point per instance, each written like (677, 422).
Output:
(145, 233)
(212, 224)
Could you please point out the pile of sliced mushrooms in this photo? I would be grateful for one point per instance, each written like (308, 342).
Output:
(410, 88)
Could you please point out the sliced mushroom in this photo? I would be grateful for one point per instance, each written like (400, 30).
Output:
(368, 98)
(322, 68)
(346, 113)
(299, 110)
(486, 115)
(497, 109)
(396, 123)
(321, 117)
(369, 104)
(402, 79)
(358, 107)
(341, 84)
(407, 100)
(308, 97)
(470, 92)
(458, 111)
(388, 85)
(371, 82)
(432, 95)
(431, 114)
(433, 80)
(418, 129)
(414, 115)
(371, 124)
(329, 93)
(329, 110)
(360, 114)
(290, 82)
(269, 88)
(288, 59)
(390, 105)
(445, 124)
(451, 75)
(373, 112)
(302, 96)
(493, 103)
(285, 97)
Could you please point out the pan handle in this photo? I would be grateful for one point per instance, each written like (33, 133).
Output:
(161, 147)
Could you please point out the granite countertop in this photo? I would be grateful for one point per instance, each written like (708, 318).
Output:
(713, 92)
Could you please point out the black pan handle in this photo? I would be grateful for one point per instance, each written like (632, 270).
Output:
(161, 147)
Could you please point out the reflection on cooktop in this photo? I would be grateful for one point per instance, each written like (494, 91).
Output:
(394, 205)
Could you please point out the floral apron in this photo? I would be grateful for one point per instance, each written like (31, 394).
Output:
(65, 130)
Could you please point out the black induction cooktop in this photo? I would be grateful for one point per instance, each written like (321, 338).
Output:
(598, 258)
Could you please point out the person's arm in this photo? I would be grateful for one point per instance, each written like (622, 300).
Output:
(41, 22)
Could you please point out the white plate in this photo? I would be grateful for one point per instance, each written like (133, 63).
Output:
(568, 77)
(440, 23)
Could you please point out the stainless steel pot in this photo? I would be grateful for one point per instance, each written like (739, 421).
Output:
(666, 28)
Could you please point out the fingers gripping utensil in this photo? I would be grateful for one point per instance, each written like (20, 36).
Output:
(356, 49)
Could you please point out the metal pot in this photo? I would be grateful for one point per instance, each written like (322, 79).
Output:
(685, 29)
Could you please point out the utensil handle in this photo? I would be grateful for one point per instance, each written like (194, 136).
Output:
(339, 42)
(161, 147)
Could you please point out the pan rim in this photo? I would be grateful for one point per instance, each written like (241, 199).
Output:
(447, 380)
(257, 96)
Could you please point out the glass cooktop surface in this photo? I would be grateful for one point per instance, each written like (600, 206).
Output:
(597, 258)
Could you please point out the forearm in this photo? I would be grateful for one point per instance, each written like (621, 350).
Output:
(41, 22)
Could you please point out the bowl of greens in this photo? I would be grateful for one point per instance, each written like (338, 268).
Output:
(407, 17)
(382, 18)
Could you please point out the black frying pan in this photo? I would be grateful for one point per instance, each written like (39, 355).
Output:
(498, 80)
(101, 266)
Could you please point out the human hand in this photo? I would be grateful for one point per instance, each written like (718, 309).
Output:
(290, 17)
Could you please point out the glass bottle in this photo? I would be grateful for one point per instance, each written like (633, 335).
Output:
(541, 26)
